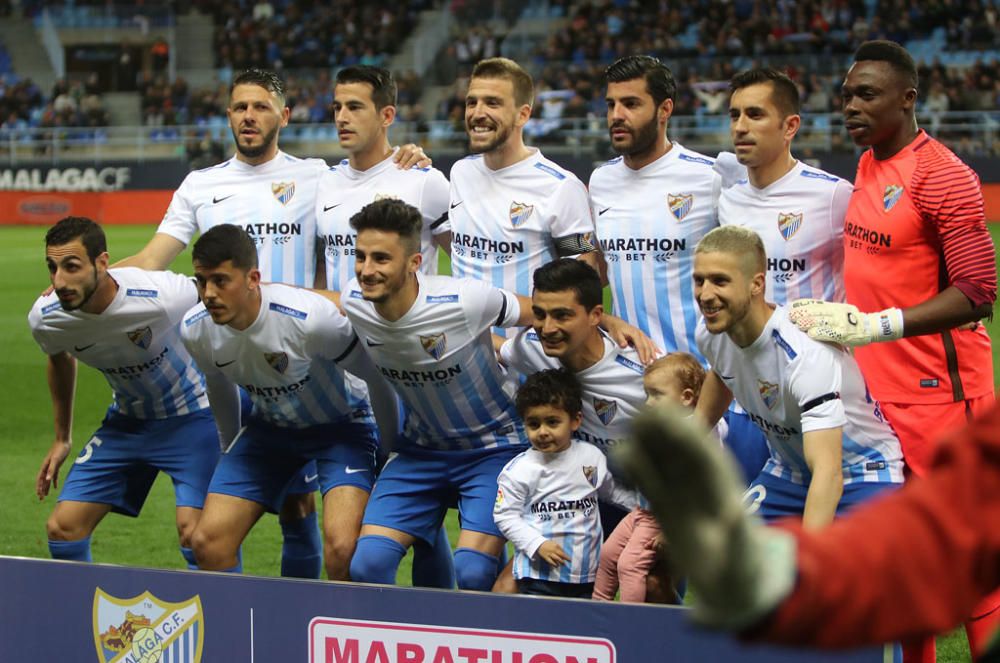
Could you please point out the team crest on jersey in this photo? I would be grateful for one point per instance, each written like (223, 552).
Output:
(789, 224)
(277, 360)
(283, 191)
(590, 473)
(434, 344)
(891, 196)
(141, 337)
(519, 213)
(606, 410)
(768, 393)
(144, 629)
(680, 204)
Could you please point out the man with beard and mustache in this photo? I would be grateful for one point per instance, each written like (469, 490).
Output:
(271, 195)
(125, 323)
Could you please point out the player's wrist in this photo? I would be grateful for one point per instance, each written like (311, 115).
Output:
(885, 325)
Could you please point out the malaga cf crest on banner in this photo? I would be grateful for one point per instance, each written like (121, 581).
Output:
(144, 629)
(680, 204)
(789, 224)
(277, 360)
(891, 196)
(519, 213)
(768, 392)
(141, 337)
(283, 191)
(434, 344)
(605, 409)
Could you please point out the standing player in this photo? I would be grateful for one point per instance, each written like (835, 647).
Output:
(290, 349)
(651, 205)
(123, 322)
(430, 336)
(830, 446)
(919, 261)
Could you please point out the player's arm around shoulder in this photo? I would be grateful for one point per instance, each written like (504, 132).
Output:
(61, 375)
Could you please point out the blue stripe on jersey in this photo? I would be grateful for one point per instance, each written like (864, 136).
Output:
(871, 454)
(566, 570)
(165, 385)
(421, 427)
(783, 344)
(818, 176)
(694, 159)
(300, 262)
(524, 272)
(196, 317)
(690, 308)
(618, 300)
(550, 170)
(188, 388)
(639, 298)
(588, 551)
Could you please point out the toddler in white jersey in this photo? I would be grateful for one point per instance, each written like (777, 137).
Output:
(632, 558)
(547, 496)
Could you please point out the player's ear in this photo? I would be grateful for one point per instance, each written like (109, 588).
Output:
(757, 284)
(792, 124)
(253, 278)
(523, 115)
(101, 261)
(595, 314)
(909, 98)
(388, 114)
(665, 110)
(286, 113)
(575, 421)
(688, 398)
(416, 260)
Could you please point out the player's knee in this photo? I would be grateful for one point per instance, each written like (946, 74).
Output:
(475, 569)
(297, 506)
(210, 550)
(185, 532)
(60, 528)
(376, 560)
(337, 555)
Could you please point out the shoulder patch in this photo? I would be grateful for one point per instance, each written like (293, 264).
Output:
(532, 336)
(628, 363)
(356, 294)
(471, 156)
(694, 159)
(783, 344)
(203, 313)
(819, 176)
(287, 310)
(51, 307)
(441, 299)
(218, 165)
(550, 170)
(141, 292)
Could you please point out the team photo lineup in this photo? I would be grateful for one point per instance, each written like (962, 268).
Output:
(785, 360)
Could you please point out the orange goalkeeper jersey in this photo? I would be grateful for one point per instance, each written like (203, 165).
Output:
(915, 225)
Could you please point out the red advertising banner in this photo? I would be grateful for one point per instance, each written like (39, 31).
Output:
(107, 207)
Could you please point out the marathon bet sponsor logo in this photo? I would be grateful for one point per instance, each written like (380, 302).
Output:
(144, 629)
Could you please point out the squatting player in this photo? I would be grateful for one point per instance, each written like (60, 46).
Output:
(125, 323)
(830, 446)
(290, 350)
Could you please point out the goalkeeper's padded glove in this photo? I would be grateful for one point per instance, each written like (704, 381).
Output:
(844, 323)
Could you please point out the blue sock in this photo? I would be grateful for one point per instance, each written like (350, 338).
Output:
(77, 551)
(189, 558)
(302, 550)
(434, 566)
(475, 570)
(376, 560)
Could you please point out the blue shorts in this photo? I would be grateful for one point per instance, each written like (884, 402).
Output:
(773, 497)
(747, 442)
(416, 487)
(305, 481)
(119, 463)
(264, 461)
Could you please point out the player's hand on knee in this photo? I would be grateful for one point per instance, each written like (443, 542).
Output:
(48, 474)
(411, 155)
(552, 554)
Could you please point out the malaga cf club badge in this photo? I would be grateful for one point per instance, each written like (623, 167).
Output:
(606, 410)
(768, 392)
(519, 213)
(891, 196)
(789, 224)
(434, 344)
(277, 360)
(590, 473)
(141, 337)
(144, 629)
(680, 204)
(283, 191)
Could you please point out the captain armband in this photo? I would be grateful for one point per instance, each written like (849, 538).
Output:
(574, 245)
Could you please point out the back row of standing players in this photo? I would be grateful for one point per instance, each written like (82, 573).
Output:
(509, 210)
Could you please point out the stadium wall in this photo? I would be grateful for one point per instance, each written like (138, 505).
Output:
(69, 611)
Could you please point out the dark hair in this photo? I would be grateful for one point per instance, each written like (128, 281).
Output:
(394, 216)
(659, 79)
(524, 86)
(784, 92)
(556, 387)
(380, 78)
(78, 227)
(265, 78)
(881, 50)
(225, 242)
(569, 274)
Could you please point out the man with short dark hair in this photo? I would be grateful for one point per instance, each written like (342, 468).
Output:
(299, 360)
(125, 323)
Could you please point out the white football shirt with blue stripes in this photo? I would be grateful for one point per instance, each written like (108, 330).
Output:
(135, 342)
(800, 219)
(503, 222)
(439, 358)
(343, 191)
(553, 496)
(274, 202)
(612, 387)
(286, 360)
(648, 224)
(790, 385)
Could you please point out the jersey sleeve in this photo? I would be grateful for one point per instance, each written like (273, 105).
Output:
(815, 382)
(192, 338)
(838, 209)
(513, 495)
(434, 202)
(180, 292)
(571, 210)
(610, 491)
(487, 306)
(179, 222)
(44, 340)
(331, 334)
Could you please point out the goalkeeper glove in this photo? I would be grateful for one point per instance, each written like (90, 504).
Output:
(844, 323)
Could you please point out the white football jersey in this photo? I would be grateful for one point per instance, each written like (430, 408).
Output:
(648, 223)
(503, 221)
(790, 384)
(134, 342)
(286, 360)
(553, 496)
(612, 388)
(439, 358)
(343, 191)
(800, 219)
(274, 202)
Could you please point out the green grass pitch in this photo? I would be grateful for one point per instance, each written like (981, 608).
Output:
(149, 540)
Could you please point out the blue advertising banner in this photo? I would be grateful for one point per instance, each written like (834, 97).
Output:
(68, 611)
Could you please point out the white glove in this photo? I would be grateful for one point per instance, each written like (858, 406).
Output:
(844, 323)
(731, 170)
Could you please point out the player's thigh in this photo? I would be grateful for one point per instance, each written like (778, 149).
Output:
(474, 476)
(186, 448)
(226, 520)
(486, 543)
(72, 521)
(772, 497)
(409, 497)
(343, 510)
